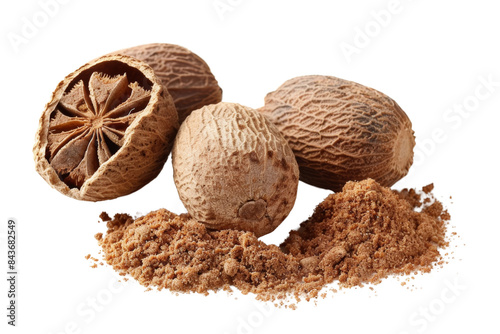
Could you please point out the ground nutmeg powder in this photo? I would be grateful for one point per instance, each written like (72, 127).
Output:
(360, 235)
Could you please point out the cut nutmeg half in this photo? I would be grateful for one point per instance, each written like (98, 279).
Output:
(341, 131)
(186, 76)
(107, 130)
(233, 169)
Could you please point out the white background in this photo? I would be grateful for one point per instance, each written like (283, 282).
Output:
(432, 57)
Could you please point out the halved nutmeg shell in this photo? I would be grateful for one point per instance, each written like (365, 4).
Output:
(107, 130)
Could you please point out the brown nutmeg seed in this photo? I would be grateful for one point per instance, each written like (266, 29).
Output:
(233, 169)
(341, 131)
(107, 130)
(186, 76)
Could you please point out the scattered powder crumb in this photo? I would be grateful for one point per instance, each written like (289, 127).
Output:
(428, 188)
(360, 235)
(93, 265)
(104, 217)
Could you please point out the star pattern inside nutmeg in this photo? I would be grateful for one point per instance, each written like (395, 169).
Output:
(89, 124)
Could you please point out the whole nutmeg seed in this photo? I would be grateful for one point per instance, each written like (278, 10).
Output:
(107, 130)
(341, 131)
(233, 169)
(187, 77)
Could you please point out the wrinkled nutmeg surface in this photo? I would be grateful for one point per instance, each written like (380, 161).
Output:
(233, 169)
(107, 131)
(186, 76)
(341, 131)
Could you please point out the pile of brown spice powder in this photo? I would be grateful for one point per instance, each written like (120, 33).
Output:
(360, 235)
